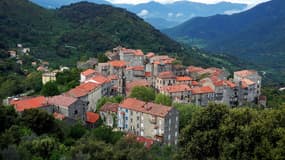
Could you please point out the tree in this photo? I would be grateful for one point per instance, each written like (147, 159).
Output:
(40, 122)
(8, 117)
(200, 139)
(143, 93)
(50, 89)
(163, 99)
(91, 149)
(77, 131)
(186, 113)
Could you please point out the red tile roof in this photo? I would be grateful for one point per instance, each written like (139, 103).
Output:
(92, 117)
(62, 100)
(150, 54)
(100, 79)
(231, 84)
(202, 90)
(193, 69)
(82, 90)
(148, 142)
(88, 72)
(149, 108)
(176, 88)
(135, 83)
(30, 103)
(195, 83)
(136, 68)
(118, 63)
(245, 73)
(167, 75)
(246, 82)
(110, 107)
(184, 78)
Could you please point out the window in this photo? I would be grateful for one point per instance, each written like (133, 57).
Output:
(126, 126)
(126, 118)
(138, 118)
(169, 137)
(127, 110)
(131, 120)
(75, 112)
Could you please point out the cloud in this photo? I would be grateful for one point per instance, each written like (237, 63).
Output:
(170, 14)
(143, 13)
(252, 2)
(179, 14)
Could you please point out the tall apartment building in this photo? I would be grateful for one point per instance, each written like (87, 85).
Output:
(149, 120)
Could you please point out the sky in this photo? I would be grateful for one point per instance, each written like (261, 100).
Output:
(250, 2)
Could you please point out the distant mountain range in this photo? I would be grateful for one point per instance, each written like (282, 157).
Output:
(81, 29)
(162, 15)
(257, 35)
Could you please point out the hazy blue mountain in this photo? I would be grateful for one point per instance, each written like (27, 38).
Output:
(59, 3)
(257, 35)
(167, 15)
(161, 23)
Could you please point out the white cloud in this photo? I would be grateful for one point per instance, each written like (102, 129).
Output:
(170, 14)
(179, 14)
(252, 2)
(143, 13)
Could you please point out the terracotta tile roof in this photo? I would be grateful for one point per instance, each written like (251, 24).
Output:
(58, 116)
(135, 83)
(118, 63)
(110, 107)
(193, 69)
(184, 78)
(30, 103)
(88, 72)
(147, 74)
(150, 54)
(202, 90)
(231, 84)
(245, 73)
(100, 79)
(148, 142)
(219, 83)
(246, 82)
(62, 100)
(176, 88)
(167, 75)
(136, 68)
(195, 83)
(149, 108)
(139, 52)
(92, 117)
(82, 90)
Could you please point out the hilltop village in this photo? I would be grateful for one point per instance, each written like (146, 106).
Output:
(129, 68)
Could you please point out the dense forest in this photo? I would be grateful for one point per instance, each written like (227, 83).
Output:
(213, 132)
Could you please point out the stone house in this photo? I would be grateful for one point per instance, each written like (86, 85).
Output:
(180, 93)
(201, 96)
(103, 68)
(88, 92)
(70, 107)
(108, 113)
(135, 73)
(149, 120)
(134, 57)
(164, 79)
